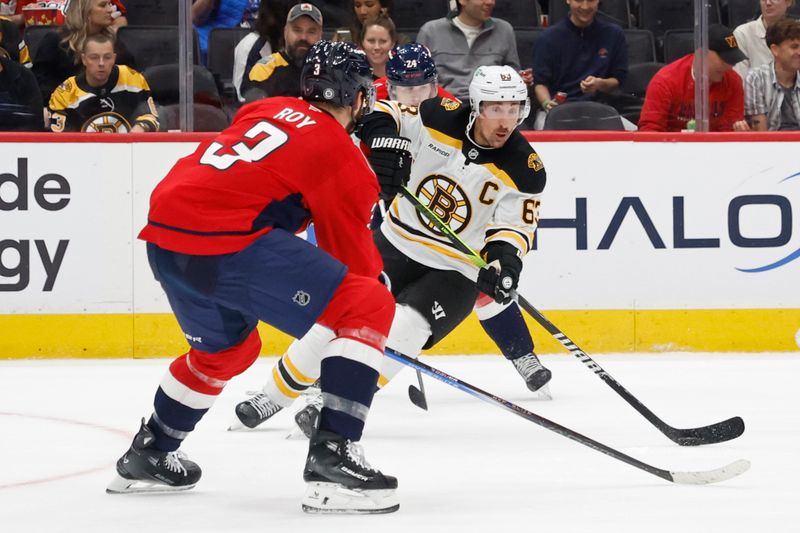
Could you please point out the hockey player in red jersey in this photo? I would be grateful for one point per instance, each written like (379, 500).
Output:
(221, 241)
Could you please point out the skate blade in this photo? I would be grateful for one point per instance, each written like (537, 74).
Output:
(237, 425)
(543, 394)
(333, 498)
(120, 485)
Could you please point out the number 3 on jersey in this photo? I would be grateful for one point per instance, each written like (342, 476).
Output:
(273, 139)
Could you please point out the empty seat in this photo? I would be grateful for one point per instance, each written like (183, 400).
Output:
(165, 85)
(741, 11)
(407, 33)
(526, 43)
(616, 11)
(153, 45)
(659, 16)
(206, 118)
(631, 95)
(152, 12)
(641, 46)
(335, 13)
(34, 35)
(415, 13)
(583, 116)
(518, 13)
(221, 43)
(678, 43)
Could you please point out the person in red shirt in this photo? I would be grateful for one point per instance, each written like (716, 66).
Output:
(411, 76)
(669, 101)
(222, 242)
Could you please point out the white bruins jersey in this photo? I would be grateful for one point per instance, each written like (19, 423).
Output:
(484, 195)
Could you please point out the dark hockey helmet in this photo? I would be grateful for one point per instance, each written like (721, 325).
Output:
(336, 73)
(410, 65)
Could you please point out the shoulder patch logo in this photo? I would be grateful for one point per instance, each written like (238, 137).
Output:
(534, 162)
(449, 104)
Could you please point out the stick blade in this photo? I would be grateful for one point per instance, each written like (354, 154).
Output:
(719, 432)
(417, 397)
(724, 473)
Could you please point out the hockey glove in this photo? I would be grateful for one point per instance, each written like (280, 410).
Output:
(391, 160)
(500, 276)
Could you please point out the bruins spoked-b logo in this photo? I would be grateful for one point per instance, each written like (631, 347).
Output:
(447, 200)
(109, 122)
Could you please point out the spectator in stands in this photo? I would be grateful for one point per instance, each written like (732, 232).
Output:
(210, 14)
(105, 98)
(669, 102)
(751, 35)
(378, 37)
(279, 74)
(463, 42)
(20, 100)
(255, 46)
(582, 56)
(53, 13)
(58, 55)
(772, 91)
(362, 10)
(12, 43)
(411, 76)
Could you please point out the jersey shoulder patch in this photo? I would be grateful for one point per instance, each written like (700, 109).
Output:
(523, 165)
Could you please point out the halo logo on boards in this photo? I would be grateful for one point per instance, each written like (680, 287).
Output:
(775, 212)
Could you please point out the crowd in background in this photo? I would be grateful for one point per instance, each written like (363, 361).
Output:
(102, 65)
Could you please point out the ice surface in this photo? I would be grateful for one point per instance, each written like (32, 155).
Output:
(464, 465)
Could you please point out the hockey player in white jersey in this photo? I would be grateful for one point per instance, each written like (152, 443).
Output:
(479, 174)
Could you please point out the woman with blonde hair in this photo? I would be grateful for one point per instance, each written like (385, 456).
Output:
(58, 55)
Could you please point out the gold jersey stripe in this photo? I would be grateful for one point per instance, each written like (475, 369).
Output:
(439, 249)
(445, 139)
(500, 174)
(510, 235)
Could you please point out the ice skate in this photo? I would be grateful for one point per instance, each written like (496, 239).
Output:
(341, 481)
(536, 376)
(253, 412)
(307, 419)
(146, 469)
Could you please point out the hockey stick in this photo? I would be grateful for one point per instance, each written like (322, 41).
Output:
(719, 432)
(684, 478)
(416, 395)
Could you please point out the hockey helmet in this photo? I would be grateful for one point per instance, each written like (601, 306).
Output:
(497, 84)
(336, 73)
(409, 65)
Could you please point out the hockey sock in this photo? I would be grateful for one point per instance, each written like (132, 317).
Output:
(299, 367)
(508, 330)
(190, 387)
(410, 331)
(349, 374)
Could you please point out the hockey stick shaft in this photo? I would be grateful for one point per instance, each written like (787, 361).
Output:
(693, 478)
(719, 432)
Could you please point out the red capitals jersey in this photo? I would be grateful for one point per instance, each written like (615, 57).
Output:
(281, 164)
(382, 90)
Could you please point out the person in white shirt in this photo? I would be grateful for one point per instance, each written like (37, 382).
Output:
(750, 36)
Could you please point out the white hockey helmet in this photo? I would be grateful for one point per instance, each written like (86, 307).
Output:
(497, 84)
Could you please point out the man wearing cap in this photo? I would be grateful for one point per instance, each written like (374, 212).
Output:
(279, 74)
(669, 102)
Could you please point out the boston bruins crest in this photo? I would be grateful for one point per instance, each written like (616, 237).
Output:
(109, 122)
(447, 199)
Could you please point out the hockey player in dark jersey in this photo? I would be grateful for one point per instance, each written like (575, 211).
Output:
(221, 241)
(105, 98)
(475, 170)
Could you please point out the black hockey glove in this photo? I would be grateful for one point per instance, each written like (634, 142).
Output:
(391, 160)
(501, 275)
